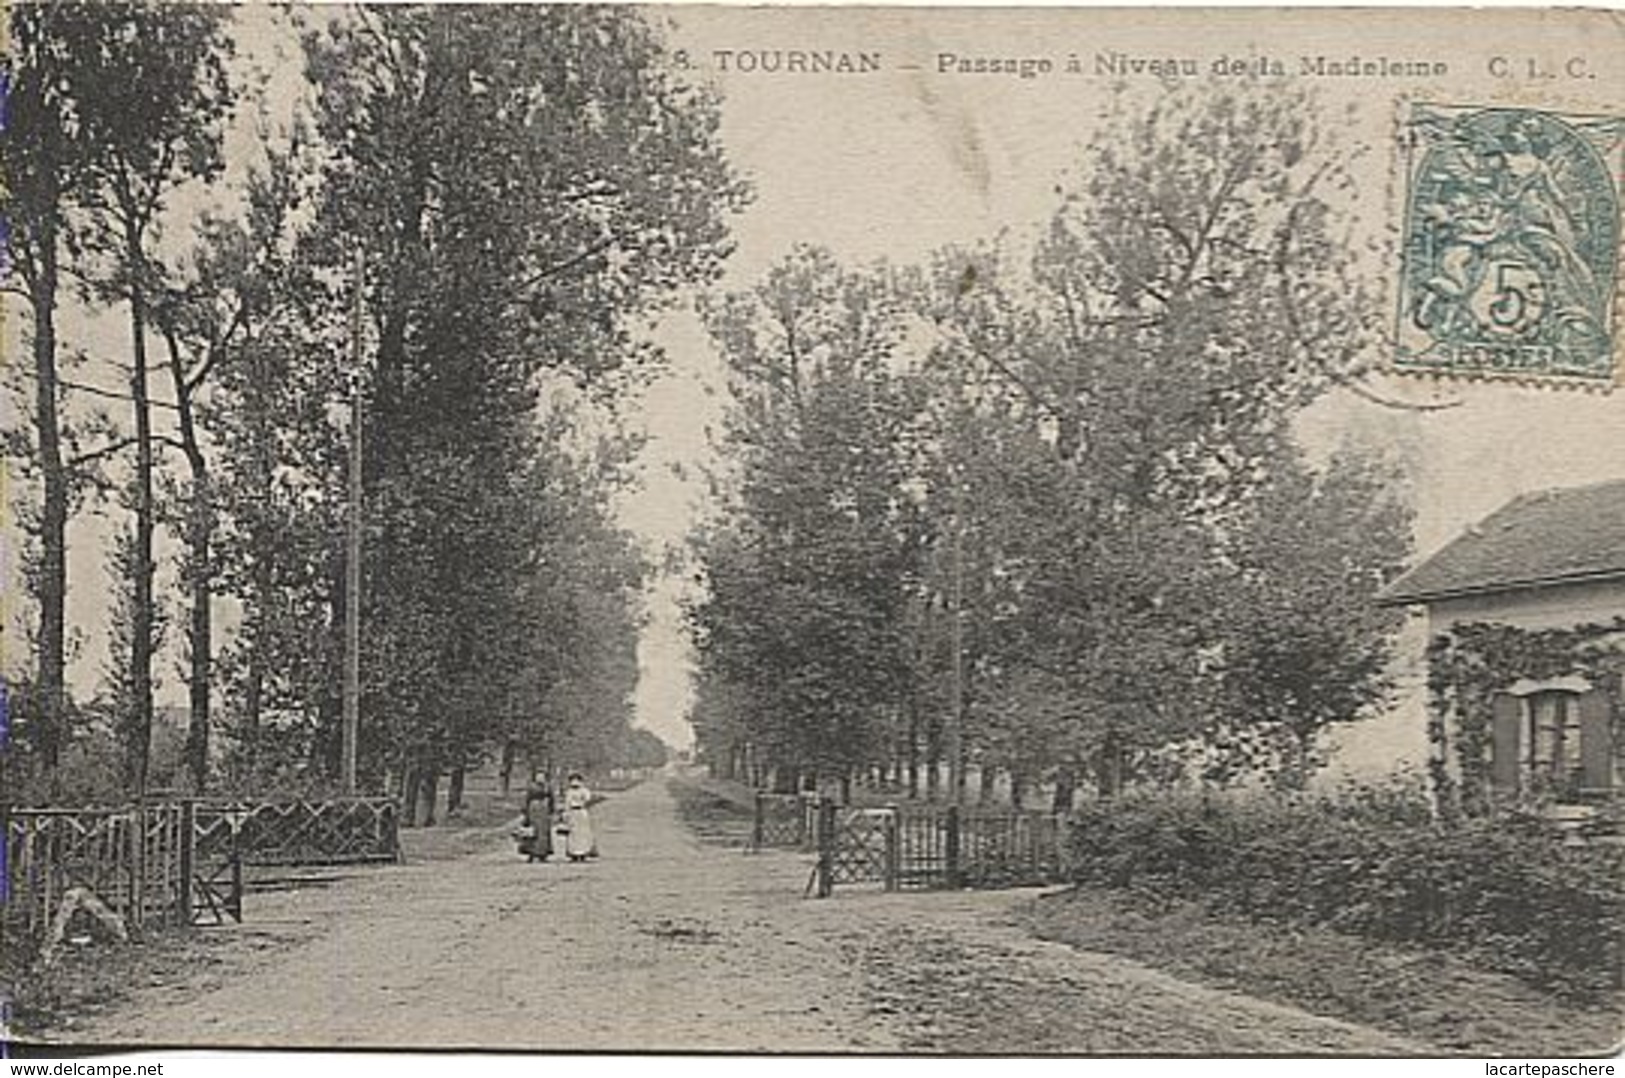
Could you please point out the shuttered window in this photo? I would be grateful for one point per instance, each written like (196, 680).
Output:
(1558, 742)
(1597, 750)
(1506, 742)
(1554, 728)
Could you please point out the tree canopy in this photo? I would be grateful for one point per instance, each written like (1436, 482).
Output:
(486, 205)
(1040, 493)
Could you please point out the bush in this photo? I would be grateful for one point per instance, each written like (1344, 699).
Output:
(1365, 863)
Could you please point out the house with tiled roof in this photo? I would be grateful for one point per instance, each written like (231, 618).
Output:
(1547, 568)
(1546, 559)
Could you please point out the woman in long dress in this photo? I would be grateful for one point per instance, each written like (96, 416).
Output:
(578, 844)
(538, 820)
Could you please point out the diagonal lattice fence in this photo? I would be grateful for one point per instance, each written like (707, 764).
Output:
(783, 821)
(936, 847)
(177, 862)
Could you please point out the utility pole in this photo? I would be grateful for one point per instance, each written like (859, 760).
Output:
(352, 559)
(956, 710)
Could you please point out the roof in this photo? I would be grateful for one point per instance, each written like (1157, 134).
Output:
(1548, 537)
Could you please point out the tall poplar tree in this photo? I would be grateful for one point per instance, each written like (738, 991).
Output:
(43, 160)
(155, 110)
(522, 185)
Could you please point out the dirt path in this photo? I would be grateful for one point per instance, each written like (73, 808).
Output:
(667, 943)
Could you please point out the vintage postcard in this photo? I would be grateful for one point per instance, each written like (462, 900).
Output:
(928, 531)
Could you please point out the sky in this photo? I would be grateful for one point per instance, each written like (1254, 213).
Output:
(899, 161)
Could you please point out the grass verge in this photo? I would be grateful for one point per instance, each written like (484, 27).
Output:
(714, 819)
(47, 1004)
(1428, 996)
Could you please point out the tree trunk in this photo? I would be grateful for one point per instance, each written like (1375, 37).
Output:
(200, 632)
(1112, 776)
(139, 734)
(1298, 771)
(1066, 787)
(253, 705)
(258, 613)
(331, 709)
(53, 579)
(1109, 769)
(429, 790)
(1068, 436)
(454, 790)
(510, 749)
(200, 576)
(409, 796)
(913, 752)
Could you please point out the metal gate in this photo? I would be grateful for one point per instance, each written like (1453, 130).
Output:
(217, 865)
(783, 821)
(930, 847)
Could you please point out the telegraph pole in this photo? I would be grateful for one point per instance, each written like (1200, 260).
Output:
(352, 537)
(956, 710)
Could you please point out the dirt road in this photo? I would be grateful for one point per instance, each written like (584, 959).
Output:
(669, 943)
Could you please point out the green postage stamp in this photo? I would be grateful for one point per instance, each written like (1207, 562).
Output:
(1511, 244)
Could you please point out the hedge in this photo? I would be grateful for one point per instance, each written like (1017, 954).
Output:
(1504, 888)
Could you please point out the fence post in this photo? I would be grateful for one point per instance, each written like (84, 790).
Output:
(950, 848)
(45, 855)
(809, 821)
(188, 838)
(392, 831)
(135, 917)
(5, 864)
(756, 824)
(826, 847)
(236, 854)
(893, 852)
(1057, 829)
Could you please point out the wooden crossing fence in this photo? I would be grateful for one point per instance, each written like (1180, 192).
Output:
(133, 860)
(347, 830)
(785, 821)
(904, 847)
(174, 862)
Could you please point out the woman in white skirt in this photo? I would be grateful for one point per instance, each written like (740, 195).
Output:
(578, 844)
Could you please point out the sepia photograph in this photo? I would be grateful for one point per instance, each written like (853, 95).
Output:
(797, 530)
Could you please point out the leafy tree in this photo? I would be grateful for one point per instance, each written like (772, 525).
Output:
(991, 481)
(643, 748)
(524, 188)
(154, 111)
(45, 156)
(1077, 492)
(244, 339)
(522, 184)
(809, 580)
(125, 620)
(721, 720)
(1304, 645)
(1182, 306)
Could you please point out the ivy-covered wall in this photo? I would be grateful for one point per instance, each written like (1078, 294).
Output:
(1470, 664)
